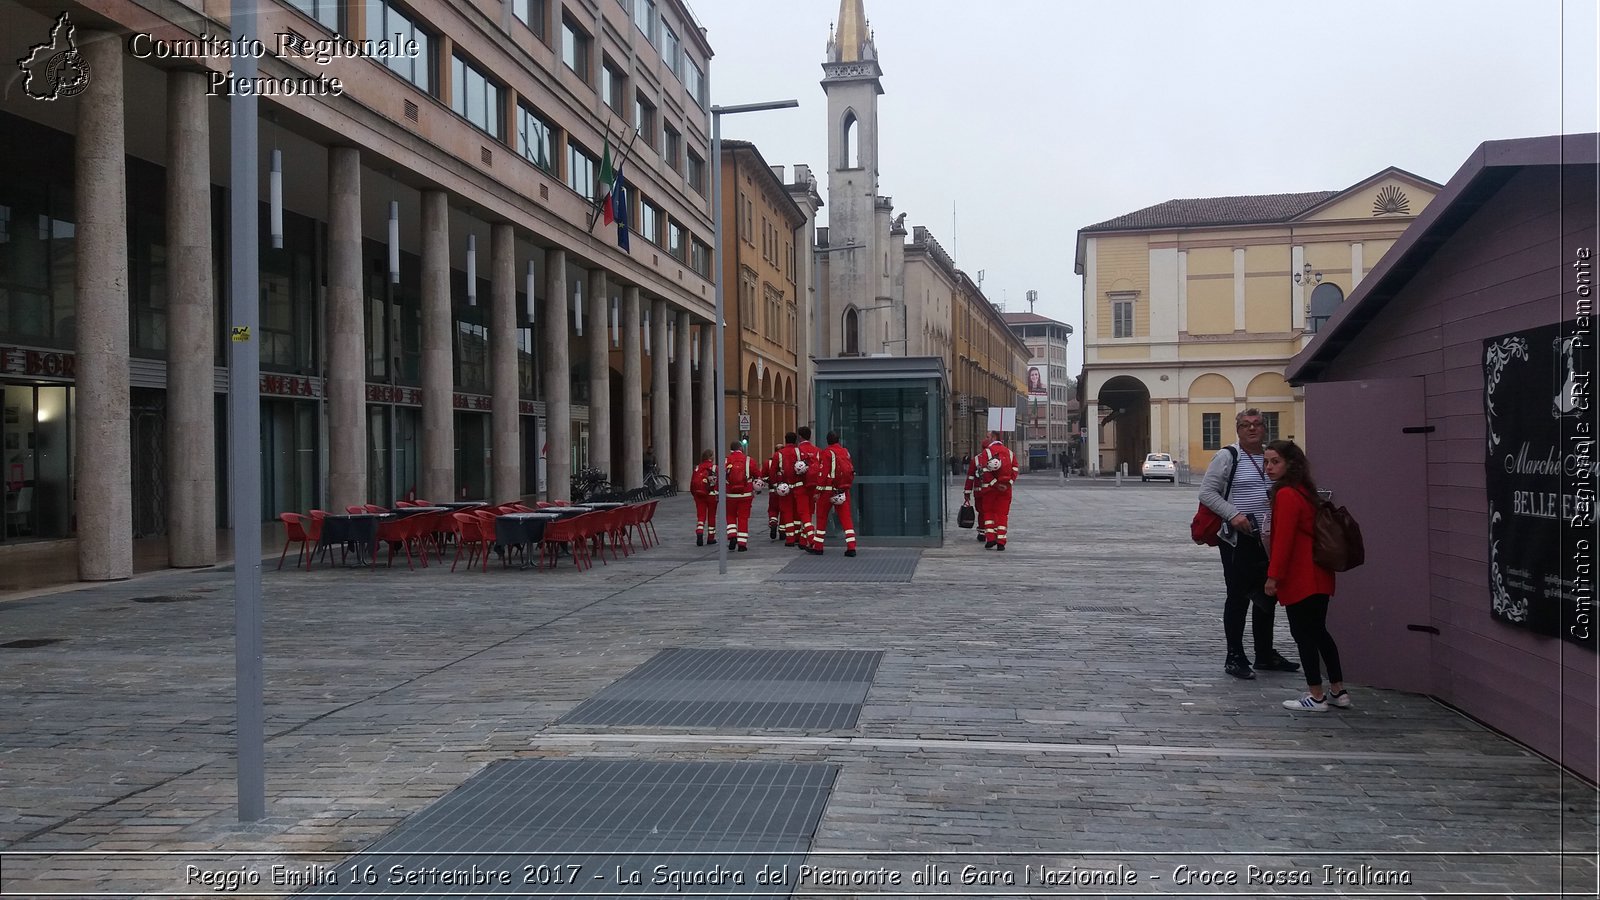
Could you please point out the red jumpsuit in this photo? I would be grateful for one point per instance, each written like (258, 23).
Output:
(770, 473)
(835, 473)
(789, 518)
(812, 457)
(741, 494)
(970, 489)
(703, 485)
(994, 485)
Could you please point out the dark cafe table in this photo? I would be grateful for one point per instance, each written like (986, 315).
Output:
(523, 529)
(460, 505)
(360, 529)
(405, 512)
(606, 505)
(567, 512)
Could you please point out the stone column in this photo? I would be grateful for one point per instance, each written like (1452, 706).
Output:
(436, 470)
(191, 328)
(711, 405)
(660, 404)
(557, 377)
(505, 422)
(103, 451)
(684, 452)
(599, 339)
(1091, 447)
(347, 382)
(632, 392)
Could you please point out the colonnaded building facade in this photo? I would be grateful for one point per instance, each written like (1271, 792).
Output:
(438, 318)
(1192, 309)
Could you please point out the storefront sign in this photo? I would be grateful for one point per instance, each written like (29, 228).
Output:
(389, 393)
(1539, 415)
(474, 401)
(290, 385)
(37, 363)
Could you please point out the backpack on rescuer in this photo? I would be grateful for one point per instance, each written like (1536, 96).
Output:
(1336, 538)
(844, 472)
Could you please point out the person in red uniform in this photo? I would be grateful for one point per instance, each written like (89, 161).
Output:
(969, 492)
(703, 485)
(997, 472)
(769, 474)
(783, 486)
(741, 488)
(835, 473)
(808, 456)
(1294, 578)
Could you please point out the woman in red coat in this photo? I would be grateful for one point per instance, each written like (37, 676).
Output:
(1302, 586)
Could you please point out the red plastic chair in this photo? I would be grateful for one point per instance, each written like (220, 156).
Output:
(648, 521)
(397, 531)
(562, 503)
(294, 526)
(421, 502)
(402, 504)
(564, 533)
(356, 510)
(314, 533)
(375, 509)
(468, 535)
(543, 504)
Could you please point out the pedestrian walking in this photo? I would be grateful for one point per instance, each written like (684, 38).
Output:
(1296, 581)
(770, 474)
(1235, 488)
(807, 456)
(740, 486)
(703, 485)
(788, 456)
(830, 487)
(974, 499)
(996, 470)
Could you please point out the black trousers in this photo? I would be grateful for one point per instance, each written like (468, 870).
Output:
(1244, 570)
(1308, 622)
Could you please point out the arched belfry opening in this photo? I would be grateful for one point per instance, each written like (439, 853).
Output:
(850, 142)
(852, 332)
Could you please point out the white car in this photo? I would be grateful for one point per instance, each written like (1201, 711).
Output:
(1159, 465)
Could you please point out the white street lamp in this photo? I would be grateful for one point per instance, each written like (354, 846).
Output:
(720, 401)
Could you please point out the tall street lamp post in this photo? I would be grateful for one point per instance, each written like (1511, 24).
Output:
(721, 400)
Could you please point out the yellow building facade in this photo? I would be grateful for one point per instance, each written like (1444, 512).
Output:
(761, 276)
(988, 368)
(1193, 307)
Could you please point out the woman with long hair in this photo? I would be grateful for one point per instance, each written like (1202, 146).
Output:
(1294, 578)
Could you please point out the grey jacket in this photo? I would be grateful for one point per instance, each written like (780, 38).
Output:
(1215, 481)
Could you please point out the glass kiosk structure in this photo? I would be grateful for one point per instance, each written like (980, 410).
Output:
(889, 412)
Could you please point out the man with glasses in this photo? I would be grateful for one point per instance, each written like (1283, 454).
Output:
(1235, 487)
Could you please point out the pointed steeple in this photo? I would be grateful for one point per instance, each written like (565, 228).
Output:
(851, 40)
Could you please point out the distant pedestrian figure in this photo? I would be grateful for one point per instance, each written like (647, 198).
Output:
(740, 481)
(703, 485)
(996, 470)
(649, 461)
(1294, 578)
(830, 484)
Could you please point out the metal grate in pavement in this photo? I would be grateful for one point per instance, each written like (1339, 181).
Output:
(875, 564)
(568, 827)
(736, 688)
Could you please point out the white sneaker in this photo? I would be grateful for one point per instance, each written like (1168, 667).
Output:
(1306, 703)
(1341, 700)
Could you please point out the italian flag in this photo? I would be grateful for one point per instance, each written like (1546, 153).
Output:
(608, 180)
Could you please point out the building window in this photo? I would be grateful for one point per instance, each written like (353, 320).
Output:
(676, 242)
(1122, 318)
(695, 81)
(613, 85)
(582, 170)
(474, 97)
(575, 48)
(852, 333)
(672, 148)
(644, 120)
(644, 16)
(697, 173)
(1325, 301)
(670, 51)
(1211, 431)
(385, 21)
(773, 321)
(650, 222)
(1270, 419)
(536, 138)
(531, 14)
(747, 301)
(326, 12)
(700, 257)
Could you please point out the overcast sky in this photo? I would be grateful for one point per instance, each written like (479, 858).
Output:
(1008, 125)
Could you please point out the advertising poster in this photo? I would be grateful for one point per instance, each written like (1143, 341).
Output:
(1038, 378)
(1539, 418)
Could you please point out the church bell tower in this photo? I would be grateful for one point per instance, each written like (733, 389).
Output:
(851, 82)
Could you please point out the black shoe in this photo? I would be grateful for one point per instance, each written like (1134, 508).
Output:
(999, 546)
(988, 545)
(850, 552)
(699, 541)
(732, 543)
(743, 548)
(1238, 666)
(982, 539)
(1274, 662)
(774, 530)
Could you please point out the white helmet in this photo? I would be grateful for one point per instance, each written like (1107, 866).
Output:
(759, 484)
(782, 489)
(994, 464)
(800, 467)
(838, 498)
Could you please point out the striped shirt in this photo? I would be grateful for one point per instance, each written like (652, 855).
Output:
(1250, 486)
